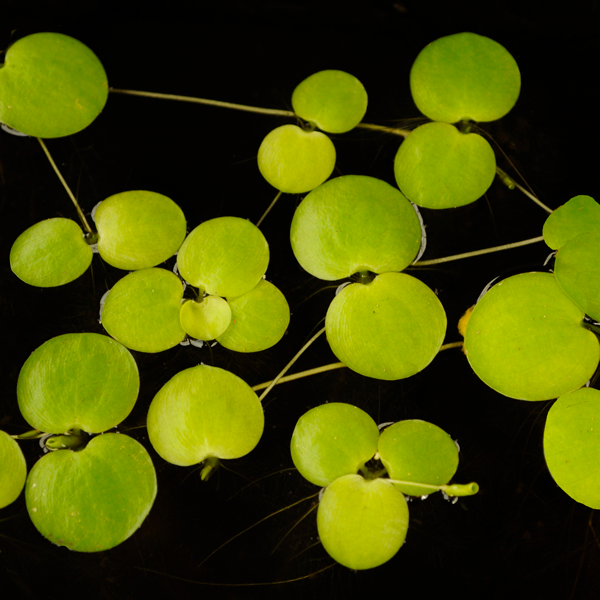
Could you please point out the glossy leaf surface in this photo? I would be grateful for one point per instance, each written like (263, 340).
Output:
(13, 470)
(580, 214)
(464, 76)
(50, 253)
(332, 440)
(362, 523)
(437, 166)
(335, 100)
(225, 256)
(572, 445)
(258, 319)
(204, 412)
(415, 450)
(138, 229)
(389, 329)
(525, 339)
(78, 380)
(354, 223)
(205, 320)
(94, 499)
(51, 85)
(142, 310)
(295, 161)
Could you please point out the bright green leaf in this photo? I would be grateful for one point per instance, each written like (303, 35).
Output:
(207, 319)
(138, 229)
(354, 223)
(580, 214)
(50, 253)
(335, 100)
(78, 380)
(437, 166)
(51, 85)
(94, 499)
(13, 470)
(332, 440)
(525, 339)
(389, 329)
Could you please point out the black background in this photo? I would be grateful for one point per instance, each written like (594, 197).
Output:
(521, 535)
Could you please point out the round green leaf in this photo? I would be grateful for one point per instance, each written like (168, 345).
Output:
(580, 214)
(258, 319)
(51, 85)
(207, 319)
(335, 100)
(332, 440)
(362, 523)
(525, 339)
(138, 229)
(389, 329)
(13, 470)
(464, 76)
(572, 445)
(50, 253)
(225, 256)
(354, 223)
(437, 166)
(578, 273)
(78, 380)
(295, 161)
(142, 310)
(94, 499)
(419, 451)
(204, 412)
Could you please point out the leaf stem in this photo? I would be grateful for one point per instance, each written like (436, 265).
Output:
(511, 184)
(401, 132)
(455, 489)
(269, 209)
(62, 180)
(289, 365)
(436, 261)
(34, 434)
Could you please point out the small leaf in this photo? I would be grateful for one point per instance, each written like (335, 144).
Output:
(362, 523)
(335, 100)
(205, 320)
(94, 499)
(51, 86)
(437, 166)
(50, 253)
(138, 229)
(78, 380)
(332, 440)
(295, 161)
(572, 445)
(580, 214)
(142, 310)
(225, 256)
(415, 450)
(13, 470)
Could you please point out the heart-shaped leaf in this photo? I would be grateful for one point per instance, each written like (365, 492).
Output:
(51, 85)
(295, 161)
(437, 166)
(207, 319)
(13, 470)
(464, 76)
(93, 499)
(332, 440)
(415, 450)
(138, 229)
(50, 253)
(580, 214)
(525, 339)
(142, 310)
(389, 329)
(362, 523)
(78, 380)
(204, 412)
(258, 319)
(572, 445)
(225, 256)
(335, 100)
(354, 223)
